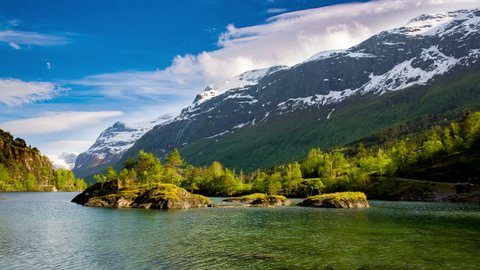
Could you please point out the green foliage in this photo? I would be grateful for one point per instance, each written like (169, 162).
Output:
(337, 200)
(4, 178)
(23, 168)
(64, 180)
(338, 196)
(173, 167)
(148, 168)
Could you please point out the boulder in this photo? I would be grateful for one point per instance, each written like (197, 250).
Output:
(337, 200)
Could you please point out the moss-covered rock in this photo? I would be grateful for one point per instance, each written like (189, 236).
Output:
(159, 196)
(261, 199)
(337, 200)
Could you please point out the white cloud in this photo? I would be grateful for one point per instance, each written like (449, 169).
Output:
(16, 92)
(57, 122)
(286, 39)
(180, 80)
(60, 146)
(276, 10)
(16, 38)
(14, 45)
(290, 38)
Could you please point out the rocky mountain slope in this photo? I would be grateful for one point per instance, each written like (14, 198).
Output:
(331, 99)
(111, 145)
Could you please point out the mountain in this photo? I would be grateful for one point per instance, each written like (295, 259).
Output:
(64, 160)
(332, 98)
(111, 145)
(22, 167)
(265, 117)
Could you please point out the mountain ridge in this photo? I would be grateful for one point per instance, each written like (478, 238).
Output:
(415, 55)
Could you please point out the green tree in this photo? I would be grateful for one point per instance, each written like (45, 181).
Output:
(30, 182)
(292, 178)
(148, 168)
(173, 166)
(384, 163)
(312, 162)
(80, 184)
(110, 174)
(274, 183)
(4, 178)
(260, 182)
(127, 177)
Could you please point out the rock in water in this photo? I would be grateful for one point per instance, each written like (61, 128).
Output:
(260, 199)
(337, 200)
(156, 196)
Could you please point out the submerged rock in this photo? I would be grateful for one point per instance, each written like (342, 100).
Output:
(260, 199)
(157, 196)
(337, 200)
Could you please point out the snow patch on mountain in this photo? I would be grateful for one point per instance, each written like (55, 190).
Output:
(245, 79)
(236, 83)
(121, 136)
(464, 23)
(323, 55)
(63, 161)
(406, 74)
(316, 100)
(218, 134)
(229, 89)
(207, 94)
(360, 55)
(423, 23)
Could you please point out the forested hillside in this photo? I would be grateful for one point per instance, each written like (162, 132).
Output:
(23, 168)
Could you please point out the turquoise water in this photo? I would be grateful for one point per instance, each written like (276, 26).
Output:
(46, 231)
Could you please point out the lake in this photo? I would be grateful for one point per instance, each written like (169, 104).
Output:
(46, 231)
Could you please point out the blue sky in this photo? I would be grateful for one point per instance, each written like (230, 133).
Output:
(70, 69)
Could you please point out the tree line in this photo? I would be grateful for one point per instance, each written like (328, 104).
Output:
(339, 169)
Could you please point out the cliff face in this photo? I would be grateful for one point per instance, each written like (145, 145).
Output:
(22, 167)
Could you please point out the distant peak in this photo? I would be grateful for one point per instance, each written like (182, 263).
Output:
(207, 94)
(243, 80)
(119, 125)
(426, 22)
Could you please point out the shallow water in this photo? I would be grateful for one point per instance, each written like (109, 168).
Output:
(46, 231)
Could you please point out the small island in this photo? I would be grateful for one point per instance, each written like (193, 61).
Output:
(261, 200)
(153, 196)
(337, 200)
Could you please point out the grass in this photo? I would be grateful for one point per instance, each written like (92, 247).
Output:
(258, 198)
(337, 200)
(340, 196)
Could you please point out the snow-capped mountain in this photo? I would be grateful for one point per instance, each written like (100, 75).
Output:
(258, 111)
(64, 160)
(242, 81)
(111, 144)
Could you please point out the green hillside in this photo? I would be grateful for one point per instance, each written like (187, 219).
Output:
(23, 168)
(289, 137)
